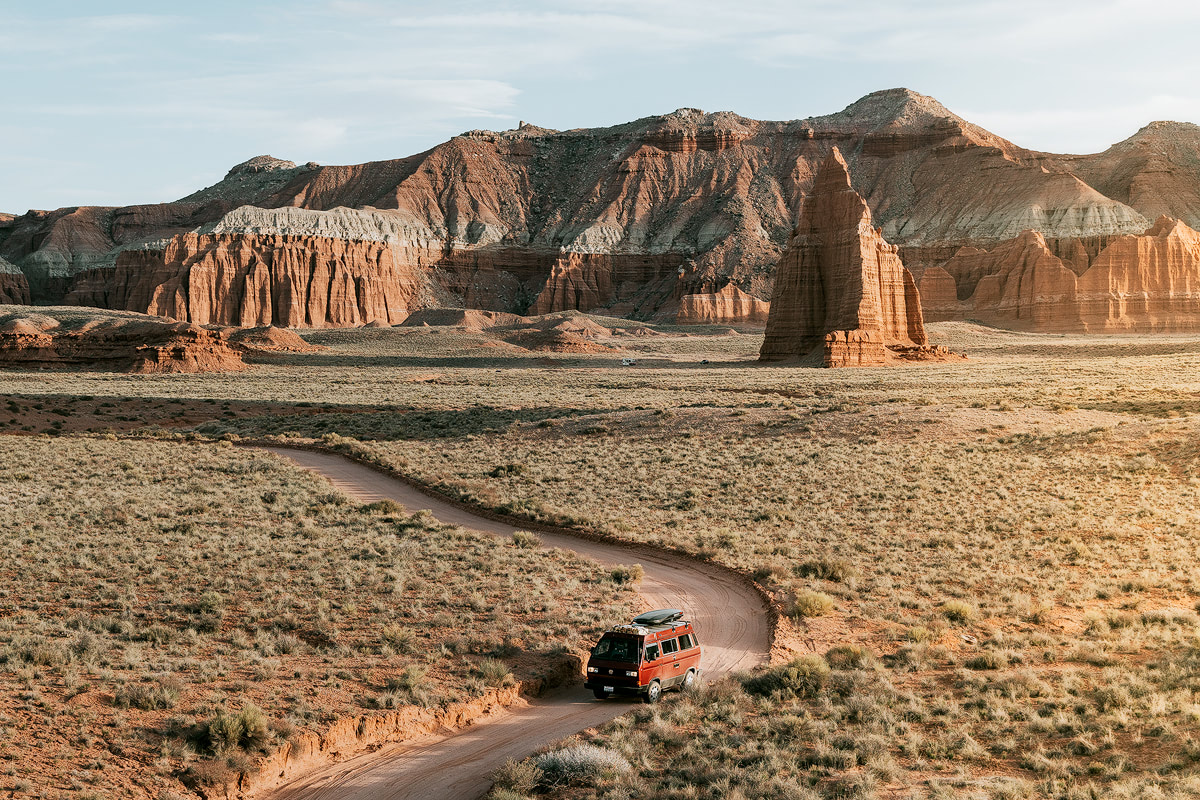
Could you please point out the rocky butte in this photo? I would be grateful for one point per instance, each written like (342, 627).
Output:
(840, 289)
(627, 220)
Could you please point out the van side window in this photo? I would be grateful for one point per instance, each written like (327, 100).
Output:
(669, 646)
(652, 652)
(685, 642)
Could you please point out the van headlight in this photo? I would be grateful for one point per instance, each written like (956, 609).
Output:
(592, 669)
(631, 673)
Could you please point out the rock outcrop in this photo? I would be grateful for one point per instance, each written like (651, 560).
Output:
(14, 286)
(624, 220)
(728, 306)
(113, 343)
(290, 267)
(1146, 283)
(840, 288)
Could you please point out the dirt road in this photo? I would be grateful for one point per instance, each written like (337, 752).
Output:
(729, 616)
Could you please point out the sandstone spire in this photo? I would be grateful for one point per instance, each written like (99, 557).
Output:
(839, 285)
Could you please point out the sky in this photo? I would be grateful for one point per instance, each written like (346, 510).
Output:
(126, 102)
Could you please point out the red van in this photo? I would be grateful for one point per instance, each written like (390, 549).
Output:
(655, 652)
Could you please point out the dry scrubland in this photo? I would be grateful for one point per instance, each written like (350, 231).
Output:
(168, 612)
(988, 568)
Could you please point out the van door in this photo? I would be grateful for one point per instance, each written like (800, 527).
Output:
(651, 668)
(689, 652)
(673, 670)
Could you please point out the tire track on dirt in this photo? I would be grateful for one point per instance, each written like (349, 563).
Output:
(730, 617)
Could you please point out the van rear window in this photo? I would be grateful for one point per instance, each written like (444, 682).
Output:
(670, 646)
(685, 642)
(617, 648)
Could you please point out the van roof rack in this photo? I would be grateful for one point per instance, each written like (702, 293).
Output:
(660, 617)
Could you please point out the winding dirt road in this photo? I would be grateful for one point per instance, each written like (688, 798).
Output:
(729, 617)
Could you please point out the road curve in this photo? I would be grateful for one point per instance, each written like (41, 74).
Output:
(729, 616)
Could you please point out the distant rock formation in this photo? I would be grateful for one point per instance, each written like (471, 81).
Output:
(624, 220)
(122, 344)
(14, 286)
(840, 288)
(727, 306)
(1141, 284)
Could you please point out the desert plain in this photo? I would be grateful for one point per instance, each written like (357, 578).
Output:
(982, 569)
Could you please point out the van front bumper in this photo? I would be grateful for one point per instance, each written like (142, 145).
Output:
(612, 687)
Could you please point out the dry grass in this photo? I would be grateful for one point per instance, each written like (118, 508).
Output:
(167, 611)
(1000, 555)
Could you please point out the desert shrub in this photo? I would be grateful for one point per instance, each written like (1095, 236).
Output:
(525, 539)
(808, 603)
(247, 729)
(918, 633)
(987, 660)
(580, 764)
(802, 677)
(494, 672)
(958, 611)
(408, 679)
(827, 569)
(505, 470)
(521, 777)
(623, 574)
(398, 637)
(384, 506)
(163, 693)
(849, 656)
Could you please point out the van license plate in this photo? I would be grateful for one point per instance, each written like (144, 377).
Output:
(608, 688)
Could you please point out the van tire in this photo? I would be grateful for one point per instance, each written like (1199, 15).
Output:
(600, 694)
(653, 692)
(689, 680)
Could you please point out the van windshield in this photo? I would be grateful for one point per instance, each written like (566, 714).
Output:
(617, 648)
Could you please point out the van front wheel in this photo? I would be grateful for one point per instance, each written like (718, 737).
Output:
(600, 694)
(653, 692)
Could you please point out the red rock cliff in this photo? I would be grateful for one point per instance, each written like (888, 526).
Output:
(274, 279)
(729, 306)
(839, 276)
(1146, 283)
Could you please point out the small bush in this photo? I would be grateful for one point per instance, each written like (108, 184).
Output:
(521, 777)
(398, 638)
(494, 672)
(958, 611)
(623, 574)
(505, 470)
(246, 729)
(580, 764)
(802, 677)
(919, 633)
(384, 506)
(526, 540)
(849, 656)
(827, 569)
(149, 696)
(810, 604)
(987, 660)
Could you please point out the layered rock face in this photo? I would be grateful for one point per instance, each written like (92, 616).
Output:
(14, 286)
(1147, 283)
(534, 220)
(245, 279)
(115, 344)
(290, 267)
(728, 306)
(840, 287)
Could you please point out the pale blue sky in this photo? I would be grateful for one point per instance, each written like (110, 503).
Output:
(118, 102)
